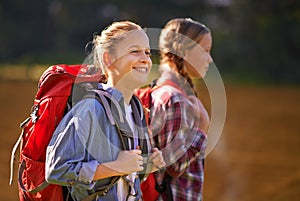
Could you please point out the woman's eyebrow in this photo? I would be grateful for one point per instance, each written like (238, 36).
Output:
(137, 46)
(134, 46)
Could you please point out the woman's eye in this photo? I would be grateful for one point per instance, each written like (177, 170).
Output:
(134, 51)
(148, 53)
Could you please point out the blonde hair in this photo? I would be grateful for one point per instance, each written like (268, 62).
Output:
(178, 35)
(108, 40)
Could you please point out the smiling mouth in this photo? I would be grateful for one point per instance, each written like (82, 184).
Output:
(141, 69)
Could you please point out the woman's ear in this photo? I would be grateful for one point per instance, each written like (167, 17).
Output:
(107, 59)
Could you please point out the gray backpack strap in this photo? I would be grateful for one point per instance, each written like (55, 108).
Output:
(35, 190)
(102, 97)
(13, 153)
(22, 166)
(102, 191)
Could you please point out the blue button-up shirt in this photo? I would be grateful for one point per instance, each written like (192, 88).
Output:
(84, 139)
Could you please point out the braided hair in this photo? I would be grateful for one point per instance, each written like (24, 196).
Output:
(177, 36)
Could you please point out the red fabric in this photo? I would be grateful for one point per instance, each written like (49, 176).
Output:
(50, 111)
(55, 86)
(144, 94)
(148, 188)
(32, 178)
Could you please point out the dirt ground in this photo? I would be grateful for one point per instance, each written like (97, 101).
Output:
(256, 158)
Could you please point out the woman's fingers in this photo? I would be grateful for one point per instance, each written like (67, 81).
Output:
(157, 158)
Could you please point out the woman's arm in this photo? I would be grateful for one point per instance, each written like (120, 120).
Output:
(126, 163)
(179, 137)
(201, 113)
(75, 146)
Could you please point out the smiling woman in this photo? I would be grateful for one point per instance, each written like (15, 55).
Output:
(131, 62)
(99, 152)
(126, 64)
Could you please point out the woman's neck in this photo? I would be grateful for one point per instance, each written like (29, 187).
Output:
(126, 91)
(171, 65)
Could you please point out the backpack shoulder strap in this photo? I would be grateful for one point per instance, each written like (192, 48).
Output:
(140, 120)
(103, 190)
(105, 99)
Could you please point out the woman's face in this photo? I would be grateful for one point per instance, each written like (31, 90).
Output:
(132, 62)
(198, 58)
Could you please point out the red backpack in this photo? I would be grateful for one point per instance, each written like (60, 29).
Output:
(148, 186)
(150, 189)
(54, 90)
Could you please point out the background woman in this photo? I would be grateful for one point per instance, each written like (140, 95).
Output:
(178, 119)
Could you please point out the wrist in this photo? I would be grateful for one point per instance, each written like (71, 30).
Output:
(114, 166)
(106, 170)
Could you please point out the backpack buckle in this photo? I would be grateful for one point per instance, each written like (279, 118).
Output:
(34, 111)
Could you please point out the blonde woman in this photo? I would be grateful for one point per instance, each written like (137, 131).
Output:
(85, 152)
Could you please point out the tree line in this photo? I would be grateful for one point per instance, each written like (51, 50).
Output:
(251, 38)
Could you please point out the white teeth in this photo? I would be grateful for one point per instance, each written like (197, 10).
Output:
(141, 69)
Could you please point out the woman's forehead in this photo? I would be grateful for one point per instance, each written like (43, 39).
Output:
(206, 41)
(135, 38)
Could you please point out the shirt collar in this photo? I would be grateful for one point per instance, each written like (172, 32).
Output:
(113, 91)
(168, 74)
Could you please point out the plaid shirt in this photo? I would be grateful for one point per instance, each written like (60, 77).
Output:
(175, 130)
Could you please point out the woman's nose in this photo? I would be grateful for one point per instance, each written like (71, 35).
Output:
(145, 58)
(210, 59)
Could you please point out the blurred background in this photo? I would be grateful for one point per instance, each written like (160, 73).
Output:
(252, 39)
(256, 48)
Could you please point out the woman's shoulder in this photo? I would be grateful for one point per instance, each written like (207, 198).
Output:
(168, 94)
(87, 106)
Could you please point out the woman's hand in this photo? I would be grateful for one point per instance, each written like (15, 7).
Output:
(129, 161)
(157, 159)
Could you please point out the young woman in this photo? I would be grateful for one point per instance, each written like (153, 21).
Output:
(178, 119)
(85, 152)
